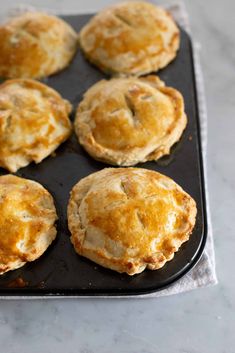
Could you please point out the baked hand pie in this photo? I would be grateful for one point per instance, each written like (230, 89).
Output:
(130, 38)
(129, 219)
(35, 45)
(125, 121)
(33, 122)
(27, 221)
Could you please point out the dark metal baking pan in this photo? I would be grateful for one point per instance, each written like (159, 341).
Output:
(60, 271)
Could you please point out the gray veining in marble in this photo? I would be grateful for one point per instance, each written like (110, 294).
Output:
(201, 321)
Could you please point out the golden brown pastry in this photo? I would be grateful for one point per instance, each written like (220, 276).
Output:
(27, 218)
(125, 121)
(33, 122)
(35, 45)
(129, 219)
(130, 38)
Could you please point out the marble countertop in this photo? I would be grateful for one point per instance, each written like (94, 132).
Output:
(201, 321)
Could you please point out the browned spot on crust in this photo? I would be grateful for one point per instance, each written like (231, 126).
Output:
(18, 282)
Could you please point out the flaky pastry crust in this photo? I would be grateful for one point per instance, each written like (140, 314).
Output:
(27, 221)
(33, 122)
(35, 45)
(125, 121)
(130, 38)
(129, 219)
